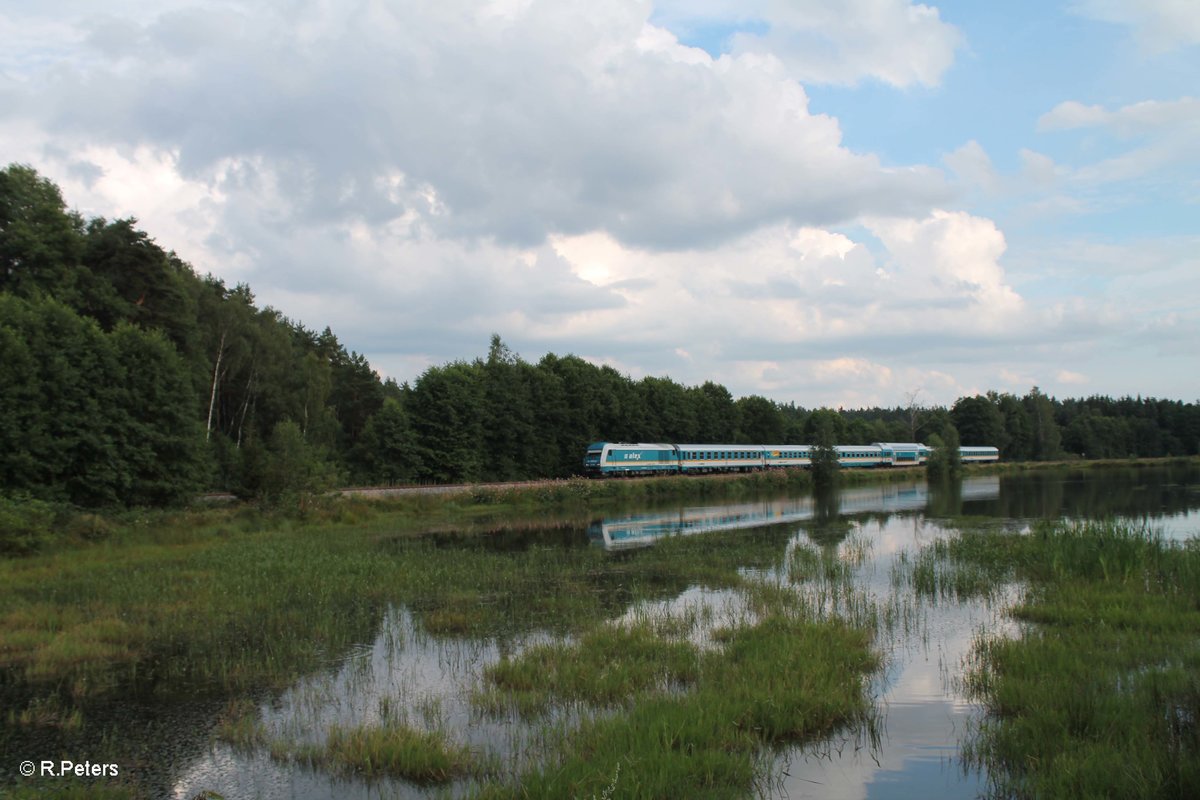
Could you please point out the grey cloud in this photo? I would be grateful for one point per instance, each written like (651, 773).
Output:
(550, 125)
(85, 171)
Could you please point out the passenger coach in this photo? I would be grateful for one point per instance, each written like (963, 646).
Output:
(620, 458)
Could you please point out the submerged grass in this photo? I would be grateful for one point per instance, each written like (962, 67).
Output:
(1100, 696)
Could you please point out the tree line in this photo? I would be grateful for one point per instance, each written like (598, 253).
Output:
(126, 378)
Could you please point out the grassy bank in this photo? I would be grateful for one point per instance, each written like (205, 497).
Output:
(1100, 694)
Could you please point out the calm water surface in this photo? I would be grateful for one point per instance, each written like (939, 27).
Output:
(426, 681)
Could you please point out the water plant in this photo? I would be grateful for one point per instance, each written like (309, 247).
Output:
(608, 666)
(391, 750)
(785, 679)
(1099, 696)
(240, 725)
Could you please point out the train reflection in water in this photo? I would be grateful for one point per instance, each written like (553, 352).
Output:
(639, 530)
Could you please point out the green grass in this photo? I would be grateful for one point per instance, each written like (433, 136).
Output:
(391, 750)
(240, 725)
(1100, 695)
(608, 666)
(665, 717)
(243, 611)
(233, 601)
(784, 679)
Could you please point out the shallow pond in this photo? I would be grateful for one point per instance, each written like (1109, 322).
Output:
(430, 678)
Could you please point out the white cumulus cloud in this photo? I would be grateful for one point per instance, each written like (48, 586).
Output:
(1159, 25)
(897, 42)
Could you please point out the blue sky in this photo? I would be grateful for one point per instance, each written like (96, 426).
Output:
(827, 203)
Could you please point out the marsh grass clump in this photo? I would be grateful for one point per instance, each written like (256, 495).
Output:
(240, 725)
(393, 750)
(825, 564)
(609, 666)
(782, 680)
(765, 599)
(935, 575)
(678, 720)
(1100, 696)
(47, 712)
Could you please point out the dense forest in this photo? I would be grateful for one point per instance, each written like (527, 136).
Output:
(128, 379)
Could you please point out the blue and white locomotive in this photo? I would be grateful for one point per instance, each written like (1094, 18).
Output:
(619, 458)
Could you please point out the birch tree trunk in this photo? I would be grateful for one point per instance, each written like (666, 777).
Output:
(212, 397)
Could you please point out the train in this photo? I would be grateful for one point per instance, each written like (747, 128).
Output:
(623, 458)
